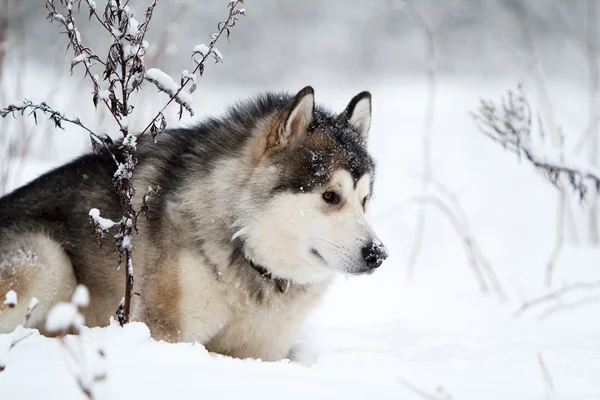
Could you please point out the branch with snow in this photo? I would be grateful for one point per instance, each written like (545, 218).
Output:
(58, 119)
(509, 123)
(200, 54)
(166, 84)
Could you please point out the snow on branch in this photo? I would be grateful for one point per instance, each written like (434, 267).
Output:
(199, 55)
(166, 84)
(509, 122)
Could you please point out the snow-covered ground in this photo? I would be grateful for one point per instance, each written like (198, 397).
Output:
(383, 336)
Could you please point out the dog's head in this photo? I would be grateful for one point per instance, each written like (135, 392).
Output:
(311, 185)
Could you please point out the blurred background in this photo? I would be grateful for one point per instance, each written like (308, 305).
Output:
(480, 216)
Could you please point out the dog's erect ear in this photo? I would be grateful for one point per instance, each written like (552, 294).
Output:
(291, 124)
(358, 114)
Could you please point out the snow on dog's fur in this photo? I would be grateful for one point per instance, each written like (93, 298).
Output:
(257, 211)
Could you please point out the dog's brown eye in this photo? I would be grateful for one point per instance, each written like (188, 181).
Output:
(331, 197)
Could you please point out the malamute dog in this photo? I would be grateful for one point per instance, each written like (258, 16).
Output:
(258, 210)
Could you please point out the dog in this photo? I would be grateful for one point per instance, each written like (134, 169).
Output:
(257, 212)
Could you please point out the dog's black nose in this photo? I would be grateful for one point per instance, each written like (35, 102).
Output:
(374, 254)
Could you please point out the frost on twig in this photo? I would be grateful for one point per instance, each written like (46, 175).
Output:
(509, 122)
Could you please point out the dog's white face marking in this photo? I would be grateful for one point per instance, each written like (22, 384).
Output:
(306, 237)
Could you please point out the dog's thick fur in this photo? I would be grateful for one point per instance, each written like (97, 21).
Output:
(257, 210)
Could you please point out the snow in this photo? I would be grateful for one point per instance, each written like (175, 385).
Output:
(218, 55)
(33, 303)
(202, 49)
(163, 81)
(383, 336)
(81, 296)
(166, 84)
(130, 140)
(62, 316)
(79, 58)
(10, 299)
(104, 94)
(104, 223)
(126, 244)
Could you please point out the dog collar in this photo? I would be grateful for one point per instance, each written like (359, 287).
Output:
(282, 284)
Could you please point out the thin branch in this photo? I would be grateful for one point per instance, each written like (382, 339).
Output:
(569, 306)
(548, 383)
(467, 240)
(559, 237)
(223, 26)
(75, 41)
(57, 118)
(556, 295)
(421, 393)
(462, 215)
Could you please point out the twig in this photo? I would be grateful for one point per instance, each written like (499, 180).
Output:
(548, 384)
(569, 306)
(224, 26)
(556, 295)
(468, 241)
(56, 117)
(421, 393)
(559, 237)
(462, 215)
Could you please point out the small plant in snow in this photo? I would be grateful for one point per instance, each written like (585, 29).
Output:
(115, 78)
(66, 318)
(20, 333)
(510, 123)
